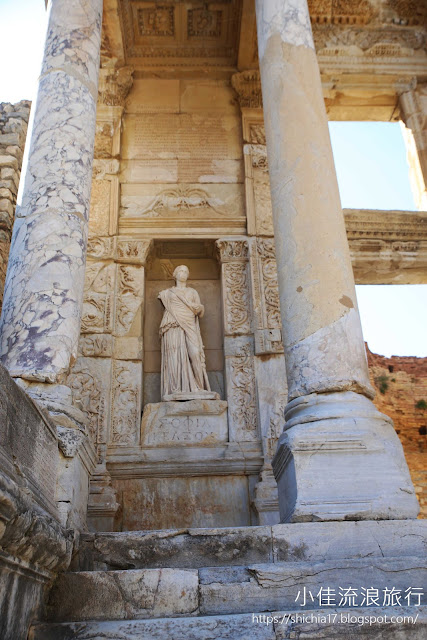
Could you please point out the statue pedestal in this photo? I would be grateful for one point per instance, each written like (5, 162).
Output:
(185, 396)
(195, 422)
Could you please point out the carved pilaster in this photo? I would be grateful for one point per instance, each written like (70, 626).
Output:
(238, 342)
(106, 380)
(265, 296)
(413, 106)
(234, 257)
(247, 85)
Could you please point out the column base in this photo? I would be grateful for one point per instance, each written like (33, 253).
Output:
(265, 500)
(339, 458)
(102, 505)
(77, 455)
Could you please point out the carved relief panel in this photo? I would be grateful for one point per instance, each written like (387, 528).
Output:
(265, 295)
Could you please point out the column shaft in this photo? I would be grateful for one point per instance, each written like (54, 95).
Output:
(330, 419)
(40, 323)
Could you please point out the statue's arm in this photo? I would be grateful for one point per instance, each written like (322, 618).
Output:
(199, 308)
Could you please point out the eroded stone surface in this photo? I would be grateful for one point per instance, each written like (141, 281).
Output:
(124, 594)
(242, 627)
(189, 548)
(201, 422)
(263, 587)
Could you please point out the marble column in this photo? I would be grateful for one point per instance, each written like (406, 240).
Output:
(338, 458)
(413, 109)
(40, 323)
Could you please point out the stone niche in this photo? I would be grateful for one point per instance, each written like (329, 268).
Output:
(188, 469)
(199, 256)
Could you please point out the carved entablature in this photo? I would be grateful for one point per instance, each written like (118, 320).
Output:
(247, 85)
(342, 11)
(183, 32)
(404, 12)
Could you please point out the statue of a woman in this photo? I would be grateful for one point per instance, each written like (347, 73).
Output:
(183, 360)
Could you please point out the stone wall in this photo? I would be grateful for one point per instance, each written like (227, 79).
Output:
(34, 547)
(401, 384)
(13, 131)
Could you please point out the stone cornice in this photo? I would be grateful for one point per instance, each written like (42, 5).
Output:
(386, 225)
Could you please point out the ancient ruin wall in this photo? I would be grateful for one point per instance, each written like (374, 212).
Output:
(401, 384)
(13, 131)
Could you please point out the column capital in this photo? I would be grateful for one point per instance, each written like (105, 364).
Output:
(233, 249)
(247, 85)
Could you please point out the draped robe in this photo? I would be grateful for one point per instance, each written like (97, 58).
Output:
(183, 358)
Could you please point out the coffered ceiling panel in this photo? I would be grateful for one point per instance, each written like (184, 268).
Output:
(181, 33)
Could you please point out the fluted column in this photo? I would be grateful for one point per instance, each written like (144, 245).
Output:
(40, 323)
(338, 457)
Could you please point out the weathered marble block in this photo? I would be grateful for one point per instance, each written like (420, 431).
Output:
(199, 422)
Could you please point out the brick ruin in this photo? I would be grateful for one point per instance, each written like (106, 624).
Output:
(13, 131)
(401, 384)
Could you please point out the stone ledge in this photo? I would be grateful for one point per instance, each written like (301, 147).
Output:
(241, 627)
(305, 542)
(162, 462)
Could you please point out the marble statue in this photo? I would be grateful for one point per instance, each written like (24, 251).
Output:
(183, 373)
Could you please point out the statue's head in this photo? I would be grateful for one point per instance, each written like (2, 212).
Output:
(181, 273)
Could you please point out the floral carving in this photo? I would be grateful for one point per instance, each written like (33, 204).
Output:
(235, 283)
(232, 250)
(242, 397)
(181, 199)
(270, 287)
(135, 251)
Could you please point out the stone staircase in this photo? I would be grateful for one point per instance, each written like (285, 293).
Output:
(243, 583)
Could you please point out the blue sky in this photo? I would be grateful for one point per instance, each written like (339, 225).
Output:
(371, 166)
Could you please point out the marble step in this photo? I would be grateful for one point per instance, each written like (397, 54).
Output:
(157, 593)
(196, 548)
(325, 624)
